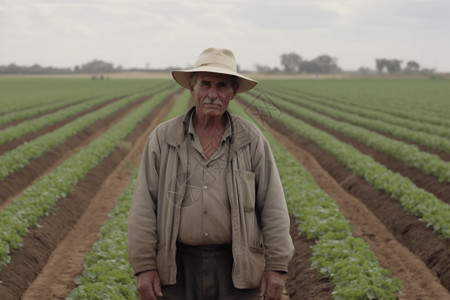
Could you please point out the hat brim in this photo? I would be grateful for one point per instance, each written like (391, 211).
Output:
(183, 77)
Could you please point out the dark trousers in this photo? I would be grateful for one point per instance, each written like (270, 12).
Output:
(204, 273)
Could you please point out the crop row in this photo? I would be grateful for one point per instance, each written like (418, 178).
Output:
(181, 105)
(32, 93)
(413, 199)
(347, 261)
(33, 111)
(350, 264)
(432, 136)
(410, 154)
(378, 119)
(107, 273)
(25, 211)
(418, 98)
(20, 156)
(71, 104)
(27, 127)
(358, 99)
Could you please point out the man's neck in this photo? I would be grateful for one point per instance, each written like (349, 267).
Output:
(205, 124)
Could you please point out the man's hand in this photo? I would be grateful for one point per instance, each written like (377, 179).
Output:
(149, 286)
(272, 283)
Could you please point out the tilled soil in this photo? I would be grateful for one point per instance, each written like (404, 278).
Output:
(40, 242)
(402, 244)
(16, 182)
(53, 253)
(419, 282)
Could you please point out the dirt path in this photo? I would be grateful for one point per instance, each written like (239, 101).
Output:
(56, 280)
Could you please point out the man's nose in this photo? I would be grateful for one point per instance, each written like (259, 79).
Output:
(212, 93)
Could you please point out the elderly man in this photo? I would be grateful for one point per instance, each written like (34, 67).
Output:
(208, 218)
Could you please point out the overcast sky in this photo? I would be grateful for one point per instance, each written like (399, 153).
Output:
(164, 33)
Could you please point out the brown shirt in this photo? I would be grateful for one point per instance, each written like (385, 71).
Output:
(206, 214)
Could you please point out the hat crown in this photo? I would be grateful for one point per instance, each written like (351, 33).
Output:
(214, 60)
(214, 57)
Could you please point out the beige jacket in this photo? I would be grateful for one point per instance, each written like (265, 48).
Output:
(260, 221)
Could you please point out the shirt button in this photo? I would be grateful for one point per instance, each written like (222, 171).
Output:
(205, 187)
(206, 234)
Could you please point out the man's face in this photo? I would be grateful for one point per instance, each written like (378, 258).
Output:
(212, 93)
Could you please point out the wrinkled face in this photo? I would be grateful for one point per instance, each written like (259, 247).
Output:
(212, 93)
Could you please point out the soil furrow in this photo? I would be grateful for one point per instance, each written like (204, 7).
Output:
(39, 243)
(420, 178)
(443, 155)
(56, 280)
(417, 280)
(302, 281)
(407, 229)
(38, 115)
(29, 137)
(15, 183)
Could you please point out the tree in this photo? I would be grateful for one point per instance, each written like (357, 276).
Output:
(97, 66)
(392, 65)
(262, 68)
(325, 64)
(380, 64)
(321, 64)
(412, 67)
(291, 62)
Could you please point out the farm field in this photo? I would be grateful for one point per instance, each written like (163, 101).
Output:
(365, 165)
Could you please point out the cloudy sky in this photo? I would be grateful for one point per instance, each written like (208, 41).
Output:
(165, 33)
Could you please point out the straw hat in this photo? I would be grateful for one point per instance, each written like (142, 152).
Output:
(216, 61)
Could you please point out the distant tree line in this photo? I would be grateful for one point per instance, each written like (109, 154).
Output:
(34, 69)
(393, 66)
(92, 67)
(294, 63)
(290, 62)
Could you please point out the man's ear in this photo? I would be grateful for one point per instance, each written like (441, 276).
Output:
(235, 92)
(191, 88)
(236, 88)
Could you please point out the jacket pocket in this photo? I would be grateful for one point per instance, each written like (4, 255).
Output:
(246, 194)
(252, 266)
